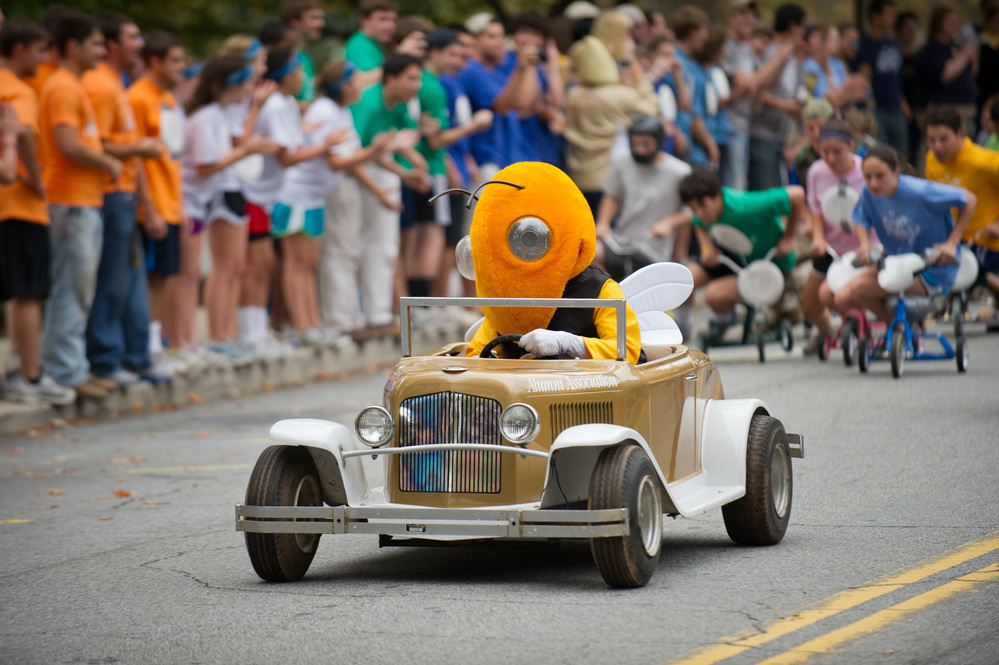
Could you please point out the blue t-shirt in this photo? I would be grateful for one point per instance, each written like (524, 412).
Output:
(885, 59)
(504, 143)
(540, 144)
(822, 82)
(719, 125)
(459, 109)
(916, 217)
(692, 74)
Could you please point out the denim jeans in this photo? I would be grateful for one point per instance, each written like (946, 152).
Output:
(893, 129)
(75, 237)
(735, 163)
(118, 329)
(766, 164)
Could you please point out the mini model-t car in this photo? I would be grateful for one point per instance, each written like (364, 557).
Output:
(519, 449)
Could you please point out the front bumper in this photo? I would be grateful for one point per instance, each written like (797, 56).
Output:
(434, 522)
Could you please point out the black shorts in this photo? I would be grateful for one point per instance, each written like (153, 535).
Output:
(456, 230)
(416, 207)
(25, 260)
(163, 256)
(620, 266)
(820, 264)
(717, 271)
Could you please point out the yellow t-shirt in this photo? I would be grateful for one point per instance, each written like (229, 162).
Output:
(150, 105)
(114, 120)
(17, 200)
(977, 170)
(64, 102)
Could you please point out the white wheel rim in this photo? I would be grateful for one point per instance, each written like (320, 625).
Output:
(650, 516)
(307, 494)
(780, 480)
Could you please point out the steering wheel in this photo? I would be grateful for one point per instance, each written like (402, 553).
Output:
(509, 344)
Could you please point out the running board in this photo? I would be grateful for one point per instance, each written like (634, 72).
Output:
(796, 445)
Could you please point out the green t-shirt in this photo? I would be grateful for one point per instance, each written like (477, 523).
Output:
(993, 142)
(758, 215)
(433, 101)
(372, 118)
(364, 52)
(308, 91)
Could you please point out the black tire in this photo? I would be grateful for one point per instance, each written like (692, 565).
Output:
(786, 333)
(758, 331)
(864, 355)
(625, 478)
(961, 351)
(850, 341)
(761, 516)
(823, 348)
(283, 476)
(958, 314)
(898, 351)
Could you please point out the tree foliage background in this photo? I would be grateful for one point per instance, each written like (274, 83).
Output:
(203, 24)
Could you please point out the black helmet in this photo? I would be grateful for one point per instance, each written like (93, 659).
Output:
(648, 125)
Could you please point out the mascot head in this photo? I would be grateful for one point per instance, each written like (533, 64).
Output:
(532, 231)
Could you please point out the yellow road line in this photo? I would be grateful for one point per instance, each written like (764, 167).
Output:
(733, 645)
(192, 467)
(880, 620)
(15, 521)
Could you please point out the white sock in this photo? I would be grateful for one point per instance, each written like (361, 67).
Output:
(244, 323)
(155, 338)
(262, 325)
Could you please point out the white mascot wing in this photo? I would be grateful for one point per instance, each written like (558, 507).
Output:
(652, 291)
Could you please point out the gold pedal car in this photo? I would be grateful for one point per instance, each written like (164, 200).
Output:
(490, 448)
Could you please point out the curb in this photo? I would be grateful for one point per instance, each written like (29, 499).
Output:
(233, 381)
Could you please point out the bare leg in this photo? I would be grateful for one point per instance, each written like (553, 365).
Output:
(811, 302)
(222, 289)
(722, 294)
(26, 328)
(182, 295)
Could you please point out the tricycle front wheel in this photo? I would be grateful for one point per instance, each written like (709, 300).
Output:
(283, 476)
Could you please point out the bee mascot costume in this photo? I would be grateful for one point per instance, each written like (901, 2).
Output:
(533, 236)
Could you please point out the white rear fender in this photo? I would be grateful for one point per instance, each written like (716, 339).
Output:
(344, 481)
(575, 452)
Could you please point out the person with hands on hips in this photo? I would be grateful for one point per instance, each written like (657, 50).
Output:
(532, 236)
(909, 215)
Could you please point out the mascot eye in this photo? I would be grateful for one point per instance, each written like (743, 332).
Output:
(529, 239)
(463, 257)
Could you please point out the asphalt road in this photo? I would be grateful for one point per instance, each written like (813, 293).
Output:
(118, 546)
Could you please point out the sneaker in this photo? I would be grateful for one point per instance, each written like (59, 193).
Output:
(122, 377)
(91, 389)
(50, 391)
(337, 340)
(19, 389)
(102, 382)
(156, 373)
(312, 337)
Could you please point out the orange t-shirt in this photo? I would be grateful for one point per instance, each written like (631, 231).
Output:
(64, 102)
(976, 169)
(114, 120)
(17, 200)
(41, 77)
(158, 116)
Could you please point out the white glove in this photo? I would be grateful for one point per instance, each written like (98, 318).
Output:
(544, 343)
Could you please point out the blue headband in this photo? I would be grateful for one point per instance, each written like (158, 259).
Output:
(348, 70)
(193, 70)
(252, 50)
(294, 62)
(241, 75)
(846, 138)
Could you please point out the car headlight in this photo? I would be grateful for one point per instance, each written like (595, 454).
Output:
(519, 424)
(374, 426)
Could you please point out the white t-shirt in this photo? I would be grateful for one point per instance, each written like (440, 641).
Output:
(647, 193)
(206, 141)
(309, 182)
(279, 120)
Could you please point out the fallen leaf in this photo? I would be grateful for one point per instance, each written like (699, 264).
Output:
(101, 498)
(227, 452)
(162, 406)
(138, 405)
(126, 460)
(889, 652)
(105, 519)
(203, 434)
(66, 470)
(30, 474)
(52, 507)
(14, 451)
(59, 422)
(147, 503)
(123, 494)
(192, 484)
(121, 480)
(266, 387)
(193, 398)
(226, 482)
(53, 492)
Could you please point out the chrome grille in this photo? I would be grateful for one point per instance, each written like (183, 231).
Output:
(448, 417)
(564, 416)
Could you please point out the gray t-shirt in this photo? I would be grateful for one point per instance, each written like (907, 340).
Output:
(769, 123)
(647, 192)
(739, 58)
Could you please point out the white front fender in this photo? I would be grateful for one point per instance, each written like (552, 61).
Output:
(575, 452)
(344, 482)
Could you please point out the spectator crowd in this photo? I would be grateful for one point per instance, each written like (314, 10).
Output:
(297, 200)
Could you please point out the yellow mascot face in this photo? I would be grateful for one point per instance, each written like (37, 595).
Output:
(528, 240)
